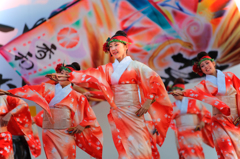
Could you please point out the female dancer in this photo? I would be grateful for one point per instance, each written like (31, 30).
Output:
(15, 119)
(219, 89)
(68, 109)
(119, 82)
(192, 124)
(96, 95)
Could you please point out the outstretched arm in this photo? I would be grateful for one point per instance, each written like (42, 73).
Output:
(200, 92)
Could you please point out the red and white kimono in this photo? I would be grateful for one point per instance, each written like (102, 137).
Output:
(156, 137)
(187, 114)
(20, 124)
(68, 109)
(221, 91)
(119, 83)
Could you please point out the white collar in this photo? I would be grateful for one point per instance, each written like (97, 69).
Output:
(182, 105)
(116, 62)
(60, 94)
(119, 68)
(219, 81)
(59, 88)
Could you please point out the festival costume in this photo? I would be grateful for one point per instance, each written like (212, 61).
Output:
(156, 138)
(223, 93)
(20, 123)
(187, 114)
(119, 83)
(68, 108)
(20, 145)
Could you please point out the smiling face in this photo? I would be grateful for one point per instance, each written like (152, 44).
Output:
(64, 83)
(208, 67)
(118, 50)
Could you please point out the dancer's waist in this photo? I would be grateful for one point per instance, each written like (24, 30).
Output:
(230, 101)
(125, 94)
(187, 120)
(61, 118)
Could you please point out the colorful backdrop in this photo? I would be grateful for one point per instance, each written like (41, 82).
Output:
(166, 35)
(19, 16)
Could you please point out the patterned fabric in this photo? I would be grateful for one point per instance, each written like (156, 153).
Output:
(131, 140)
(6, 147)
(19, 124)
(189, 142)
(90, 140)
(156, 138)
(225, 134)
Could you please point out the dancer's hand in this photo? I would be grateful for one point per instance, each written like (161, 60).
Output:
(61, 77)
(2, 92)
(87, 94)
(6, 119)
(77, 129)
(177, 92)
(57, 77)
(144, 108)
(200, 126)
(236, 122)
(52, 76)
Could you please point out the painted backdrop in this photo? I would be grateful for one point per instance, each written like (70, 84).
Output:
(166, 35)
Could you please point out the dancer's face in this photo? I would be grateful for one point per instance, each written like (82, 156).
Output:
(118, 50)
(208, 67)
(64, 83)
(178, 97)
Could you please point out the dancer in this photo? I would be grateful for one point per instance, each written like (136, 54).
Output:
(96, 95)
(119, 82)
(192, 124)
(221, 90)
(73, 121)
(156, 138)
(15, 119)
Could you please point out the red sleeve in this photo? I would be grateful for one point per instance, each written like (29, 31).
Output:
(207, 129)
(34, 93)
(175, 113)
(39, 118)
(96, 78)
(152, 87)
(91, 139)
(200, 92)
(236, 84)
(21, 123)
(205, 115)
(92, 76)
(98, 95)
